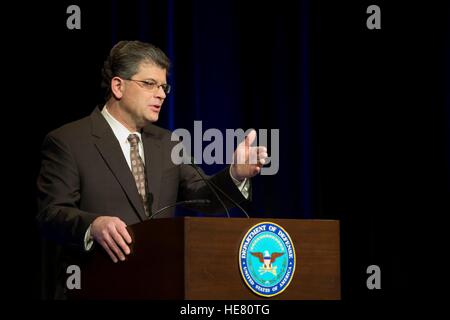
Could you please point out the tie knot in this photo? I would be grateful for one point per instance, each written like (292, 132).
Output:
(133, 139)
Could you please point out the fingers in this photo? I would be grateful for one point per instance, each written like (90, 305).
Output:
(111, 234)
(118, 241)
(111, 248)
(261, 149)
(122, 229)
(108, 250)
(111, 242)
(258, 156)
(262, 155)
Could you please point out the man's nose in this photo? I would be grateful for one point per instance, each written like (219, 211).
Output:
(160, 93)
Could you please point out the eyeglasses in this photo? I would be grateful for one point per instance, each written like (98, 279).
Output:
(151, 85)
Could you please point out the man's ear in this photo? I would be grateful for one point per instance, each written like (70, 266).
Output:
(117, 87)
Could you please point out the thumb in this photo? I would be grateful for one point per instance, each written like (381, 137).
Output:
(250, 138)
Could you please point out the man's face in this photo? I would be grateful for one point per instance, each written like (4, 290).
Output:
(141, 103)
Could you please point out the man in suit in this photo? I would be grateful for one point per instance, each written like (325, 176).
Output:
(114, 168)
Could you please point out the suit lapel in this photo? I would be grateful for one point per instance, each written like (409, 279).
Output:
(153, 164)
(109, 148)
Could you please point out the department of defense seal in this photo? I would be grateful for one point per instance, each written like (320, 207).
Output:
(267, 259)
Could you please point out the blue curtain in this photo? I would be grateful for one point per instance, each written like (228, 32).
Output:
(236, 66)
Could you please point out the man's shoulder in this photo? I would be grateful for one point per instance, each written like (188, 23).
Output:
(77, 131)
(72, 129)
(158, 132)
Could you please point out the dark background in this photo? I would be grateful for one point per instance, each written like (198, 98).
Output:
(363, 114)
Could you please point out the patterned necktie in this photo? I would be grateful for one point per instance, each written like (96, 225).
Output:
(138, 170)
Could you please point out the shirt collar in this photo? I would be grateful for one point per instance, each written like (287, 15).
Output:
(120, 131)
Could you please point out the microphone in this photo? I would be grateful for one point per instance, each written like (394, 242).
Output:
(195, 201)
(208, 183)
(212, 185)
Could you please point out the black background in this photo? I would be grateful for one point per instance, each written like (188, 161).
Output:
(378, 140)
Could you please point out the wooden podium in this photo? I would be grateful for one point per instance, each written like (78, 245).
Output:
(197, 258)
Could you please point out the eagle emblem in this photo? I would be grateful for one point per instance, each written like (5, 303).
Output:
(267, 261)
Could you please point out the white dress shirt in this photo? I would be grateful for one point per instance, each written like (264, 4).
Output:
(122, 133)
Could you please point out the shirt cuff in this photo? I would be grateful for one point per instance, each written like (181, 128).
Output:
(88, 241)
(243, 186)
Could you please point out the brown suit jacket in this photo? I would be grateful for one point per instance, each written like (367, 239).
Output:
(85, 175)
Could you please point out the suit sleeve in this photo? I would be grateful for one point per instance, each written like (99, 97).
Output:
(58, 194)
(193, 187)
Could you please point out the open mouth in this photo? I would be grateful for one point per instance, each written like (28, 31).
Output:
(155, 107)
